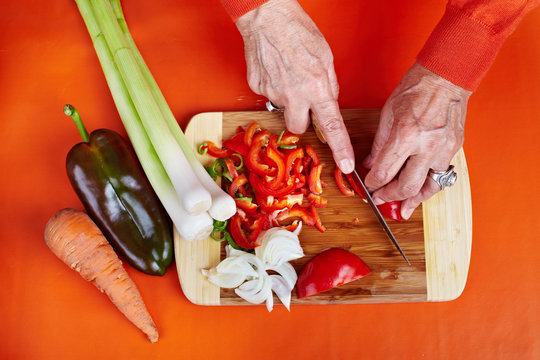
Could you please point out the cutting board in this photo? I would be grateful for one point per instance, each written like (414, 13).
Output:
(437, 238)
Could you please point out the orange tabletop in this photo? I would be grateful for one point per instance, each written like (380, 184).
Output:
(196, 55)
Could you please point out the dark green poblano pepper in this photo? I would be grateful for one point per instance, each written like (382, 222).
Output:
(112, 186)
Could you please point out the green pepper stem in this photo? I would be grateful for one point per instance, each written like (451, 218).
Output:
(70, 111)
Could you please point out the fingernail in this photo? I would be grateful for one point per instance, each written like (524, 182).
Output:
(346, 166)
(378, 201)
(406, 213)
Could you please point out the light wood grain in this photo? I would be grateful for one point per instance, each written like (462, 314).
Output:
(351, 225)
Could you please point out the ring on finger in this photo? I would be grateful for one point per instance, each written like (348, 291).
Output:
(271, 107)
(443, 178)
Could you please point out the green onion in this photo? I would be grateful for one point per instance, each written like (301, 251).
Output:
(241, 161)
(189, 227)
(220, 225)
(283, 146)
(203, 148)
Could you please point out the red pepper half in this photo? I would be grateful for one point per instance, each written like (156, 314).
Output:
(331, 268)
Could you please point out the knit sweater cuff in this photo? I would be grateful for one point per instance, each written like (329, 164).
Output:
(237, 8)
(460, 49)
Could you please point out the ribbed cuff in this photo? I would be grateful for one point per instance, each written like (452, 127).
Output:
(237, 8)
(460, 49)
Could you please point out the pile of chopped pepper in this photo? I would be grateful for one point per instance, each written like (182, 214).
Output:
(273, 180)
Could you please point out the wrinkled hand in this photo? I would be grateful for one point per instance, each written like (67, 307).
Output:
(290, 63)
(421, 127)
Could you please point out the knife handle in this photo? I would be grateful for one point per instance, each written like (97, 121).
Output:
(318, 131)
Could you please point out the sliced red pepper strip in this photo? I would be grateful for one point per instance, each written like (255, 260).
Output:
(288, 138)
(231, 168)
(297, 212)
(246, 204)
(253, 160)
(240, 129)
(260, 186)
(277, 158)
(241, 238)
(340, 181)
(314, 180)
(237, 184)
(291, 160)
(292, 226)
(390, 209)
(317, 200)
(250, 132)
(215, 151)
(236, 144)
(318, 223)
(313, 155)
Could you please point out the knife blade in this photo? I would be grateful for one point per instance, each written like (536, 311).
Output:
(380, 217)
(373, 207)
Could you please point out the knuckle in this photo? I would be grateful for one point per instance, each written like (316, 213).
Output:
(408, 190)
(379, 176)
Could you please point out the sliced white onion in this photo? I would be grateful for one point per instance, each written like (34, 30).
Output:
(255, 291)
(298, 229)
(288, 273)
(278, 246)
(230, 251)
(237, 265)
(270, 301)
(228, 281)
(282, 290)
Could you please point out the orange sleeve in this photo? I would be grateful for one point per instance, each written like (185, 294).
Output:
(465, 42)
(237, 8)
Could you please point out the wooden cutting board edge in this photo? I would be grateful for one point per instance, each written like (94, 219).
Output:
(447, 233)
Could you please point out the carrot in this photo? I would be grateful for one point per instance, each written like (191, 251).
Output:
(77, 241)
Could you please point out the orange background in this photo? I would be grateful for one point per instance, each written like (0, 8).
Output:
(196, 55)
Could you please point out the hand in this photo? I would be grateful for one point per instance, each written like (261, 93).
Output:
(421, 127)
(290, 63)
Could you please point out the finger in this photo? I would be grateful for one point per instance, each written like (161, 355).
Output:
(388, 163)
(296, 117)
(334, 131)
(381, 136)
(332, 79)
(429, 189)
(408, 184)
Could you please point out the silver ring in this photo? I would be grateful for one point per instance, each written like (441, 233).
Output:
(271, 107)
(443, 178)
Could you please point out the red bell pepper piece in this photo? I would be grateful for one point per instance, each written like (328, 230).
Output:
(288, 138)
(292, 226)
(241, 238)
(260, 186)
(253, 159)
(231, 168)
(318, 223)
(237, 184)
(277, 158)
(215, 151)
(291, 160)
(246, 204)
(239, 129)
(340, 181)
(317, 200)
(390, 209)
(314, 180)
(331, 268)
(236, 144)
(297, 212)
(313, 155)
(250, 132)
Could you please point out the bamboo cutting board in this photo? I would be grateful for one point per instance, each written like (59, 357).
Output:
(437, 238)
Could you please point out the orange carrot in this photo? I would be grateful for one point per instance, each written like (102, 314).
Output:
(78, 242)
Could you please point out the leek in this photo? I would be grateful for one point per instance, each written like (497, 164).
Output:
(223, 205)
(190, 227)
(195, 198)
